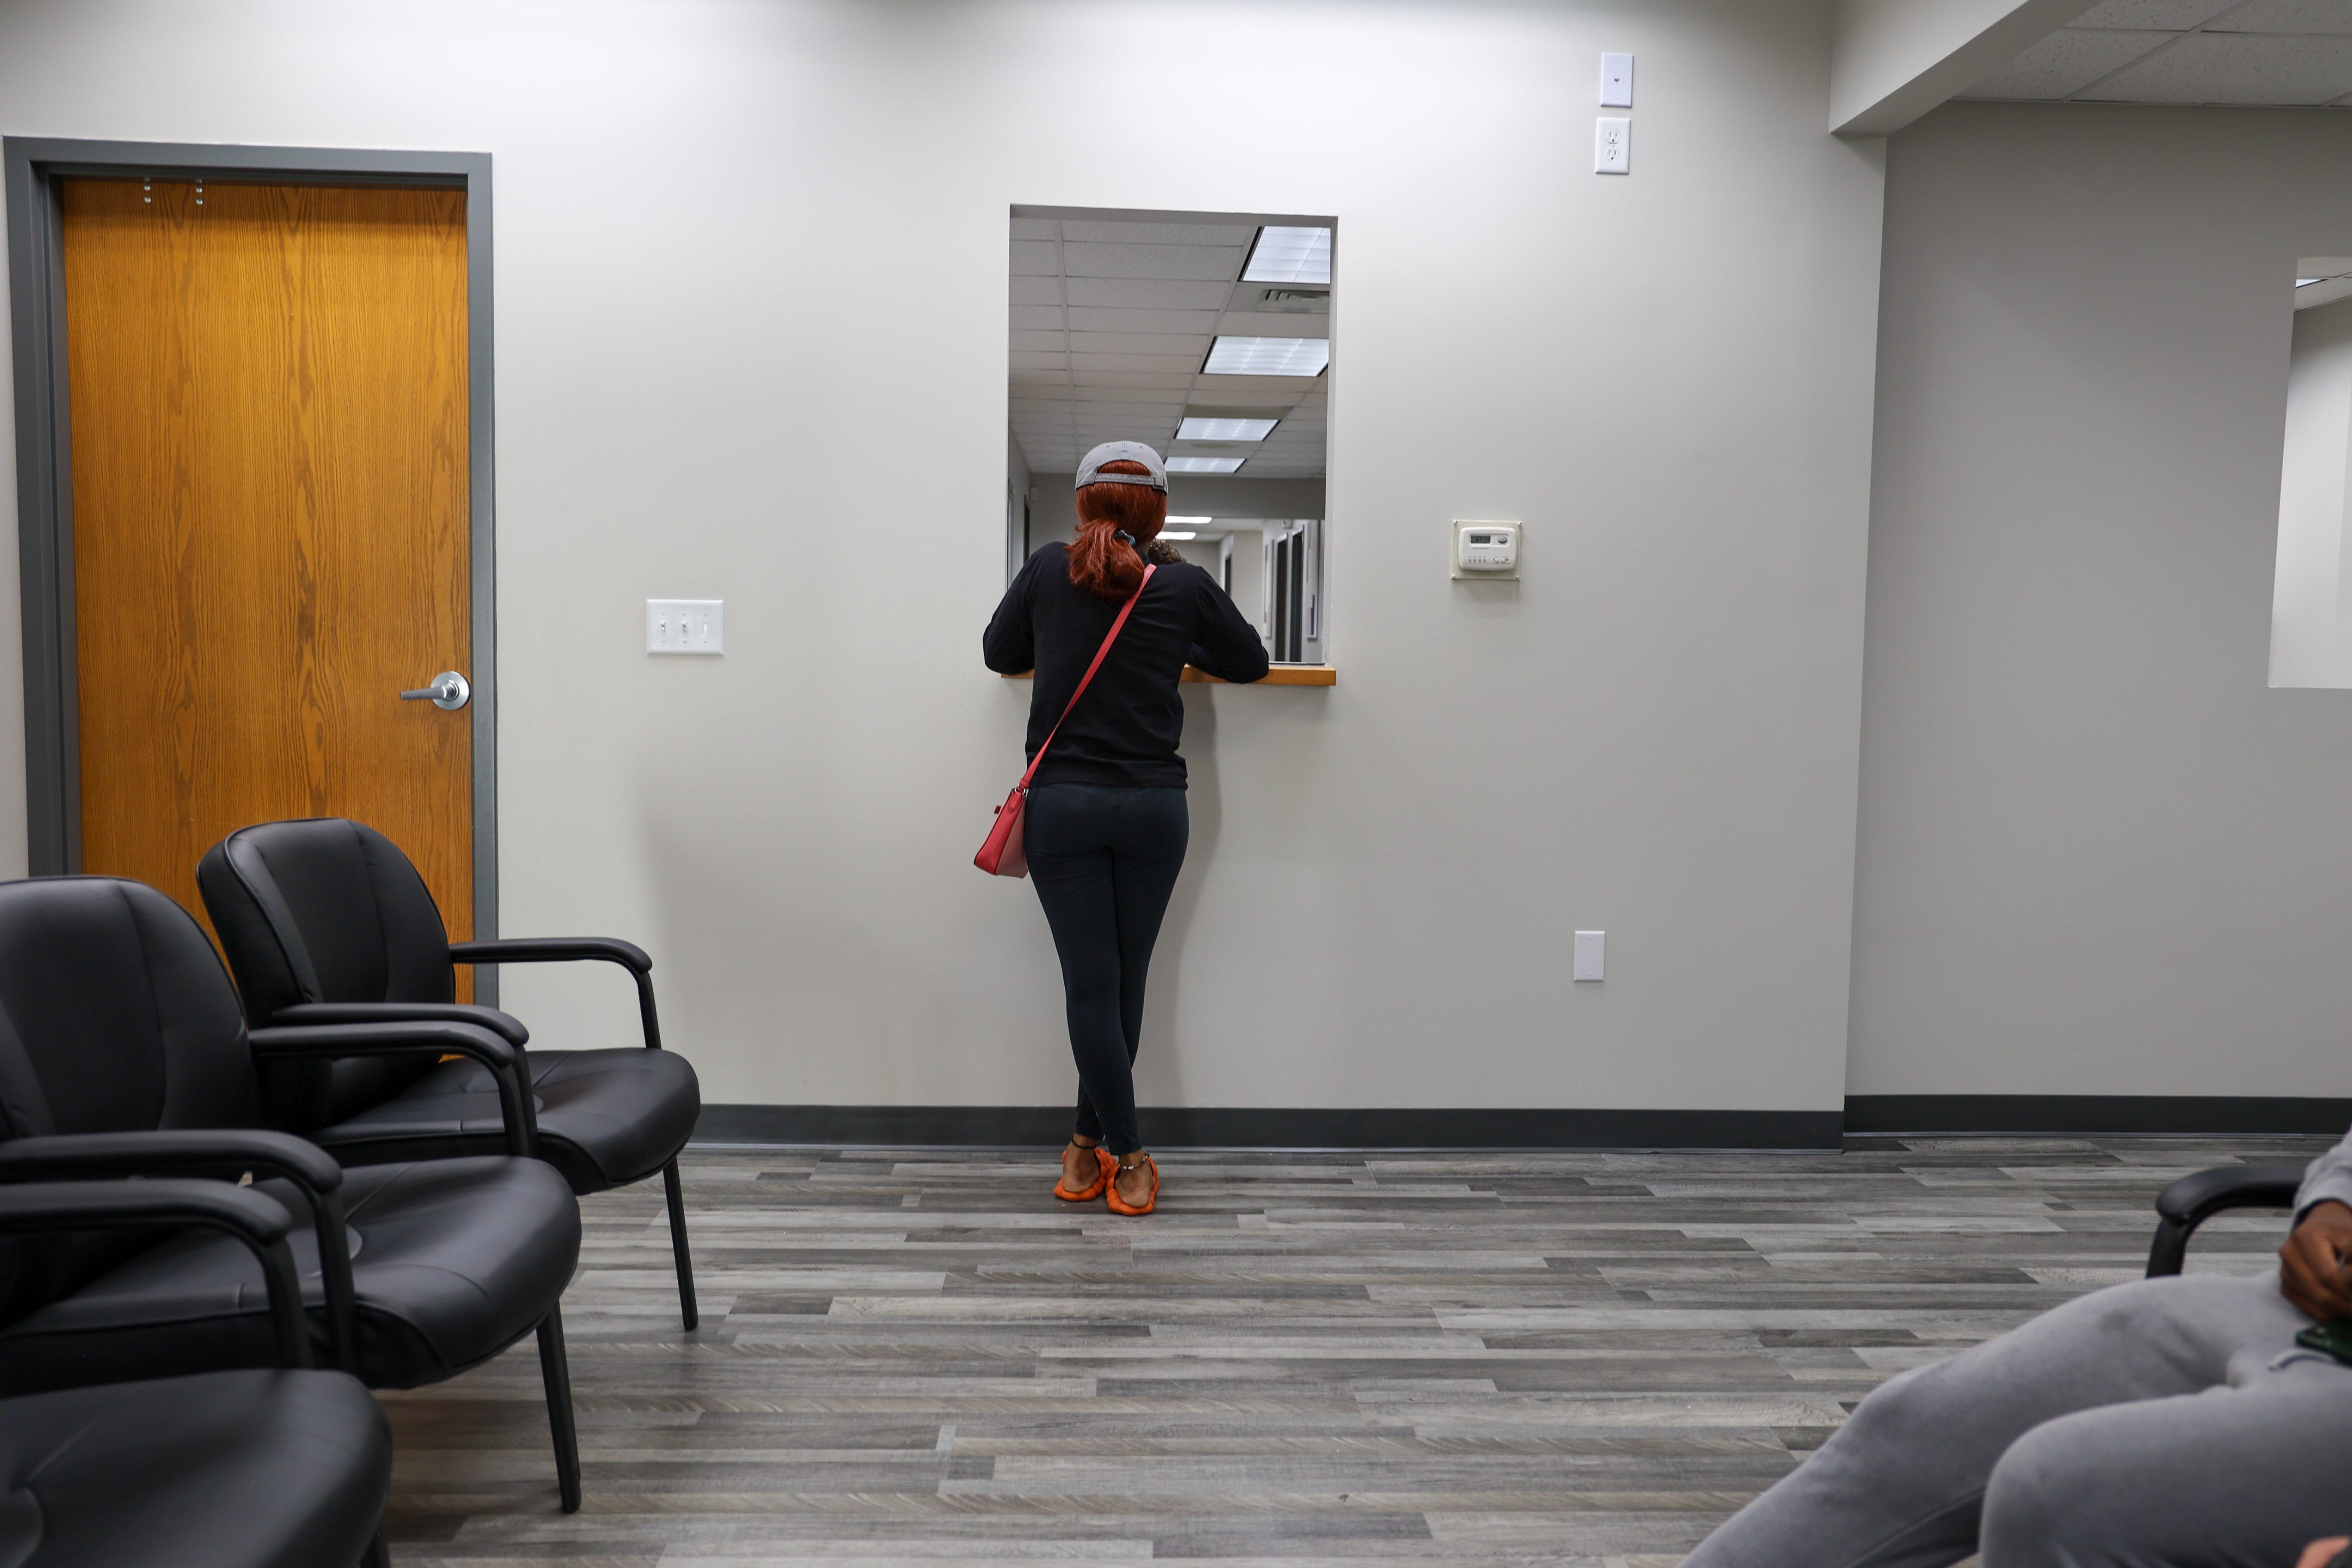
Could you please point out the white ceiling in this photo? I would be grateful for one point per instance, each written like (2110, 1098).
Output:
(2241, 52)
(1112, 319)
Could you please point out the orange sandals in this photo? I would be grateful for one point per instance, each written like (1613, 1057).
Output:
(1105, 1165)
(1118, 1206)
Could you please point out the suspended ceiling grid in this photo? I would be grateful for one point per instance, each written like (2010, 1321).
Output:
(1112, 319)
(2246, 53)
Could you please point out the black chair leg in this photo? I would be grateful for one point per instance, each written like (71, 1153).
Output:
(2169, 1250)
(678, 1245)
(555, 1371)
(377, 1556)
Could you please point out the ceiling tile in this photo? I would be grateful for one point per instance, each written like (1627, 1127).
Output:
(2066, 62)
(1192, 323)
(1022, 361)
(1033, 259)
(1037, 343)
(2288, 16)
(1104, 364)
(2236, 68)
(1036, 290)
(1035, 228)
(1191, 345)
(1149, 293)
(1196, 263)
(1037, 317)
(1090, 377)
(1118, 231)
(2169, 15)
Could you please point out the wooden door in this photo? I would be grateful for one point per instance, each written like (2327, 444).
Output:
(271, 533)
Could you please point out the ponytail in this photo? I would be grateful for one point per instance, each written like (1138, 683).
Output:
(1100, 562)
(1102, 565)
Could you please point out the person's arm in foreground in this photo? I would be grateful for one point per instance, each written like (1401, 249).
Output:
(1009, 646)
(2324, 1554)
(1227, 646)
(2316, 1264)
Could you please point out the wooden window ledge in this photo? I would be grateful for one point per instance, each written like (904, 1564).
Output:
(1280, 675)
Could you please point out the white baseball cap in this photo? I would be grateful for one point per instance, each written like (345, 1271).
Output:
(1090, 471)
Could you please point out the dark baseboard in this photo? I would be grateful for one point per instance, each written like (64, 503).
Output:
(1245, 1127)
(1219, 1127)
(2236, 1115)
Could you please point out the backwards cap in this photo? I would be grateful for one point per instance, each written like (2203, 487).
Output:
(1090, 470)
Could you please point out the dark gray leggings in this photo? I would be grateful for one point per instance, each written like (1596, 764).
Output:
(1104, 861)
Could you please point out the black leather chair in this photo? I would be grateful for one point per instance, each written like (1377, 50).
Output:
(122, 1053)
(264, 1468)
(2192, 1200)
(326, 922)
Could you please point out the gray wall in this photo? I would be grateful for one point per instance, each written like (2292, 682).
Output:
(2097, 853)
(751, 273)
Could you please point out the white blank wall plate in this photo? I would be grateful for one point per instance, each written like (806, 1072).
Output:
(686, 626)
(1591, 948)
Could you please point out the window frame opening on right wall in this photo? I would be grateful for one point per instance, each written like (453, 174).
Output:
(2311, 594)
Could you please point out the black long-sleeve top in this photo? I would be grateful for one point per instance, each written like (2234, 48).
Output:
(1124, 730)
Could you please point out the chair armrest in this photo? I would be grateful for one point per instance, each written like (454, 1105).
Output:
(222, 1152)
(506, 1026)
(505, 1060)
(554, 950)
(2192, 1200)
(562, 949)
(258, 1221)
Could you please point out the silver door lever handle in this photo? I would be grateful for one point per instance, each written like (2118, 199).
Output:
(448, 692)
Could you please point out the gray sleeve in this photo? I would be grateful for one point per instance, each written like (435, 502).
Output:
(2330, 1176)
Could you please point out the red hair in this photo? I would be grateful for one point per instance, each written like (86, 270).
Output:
(1099, 563)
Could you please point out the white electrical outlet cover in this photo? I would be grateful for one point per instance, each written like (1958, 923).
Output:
(686, 626)
(1613, 146)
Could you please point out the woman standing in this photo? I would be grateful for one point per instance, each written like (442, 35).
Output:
(1106, 824)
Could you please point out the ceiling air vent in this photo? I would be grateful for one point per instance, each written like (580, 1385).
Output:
(1296, 299)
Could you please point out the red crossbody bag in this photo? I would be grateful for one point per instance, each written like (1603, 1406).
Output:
(1003, 855)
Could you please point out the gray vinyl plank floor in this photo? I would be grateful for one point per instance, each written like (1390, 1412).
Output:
(1312, 1360)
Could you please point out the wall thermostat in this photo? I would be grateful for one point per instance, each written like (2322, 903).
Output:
(1486, 550)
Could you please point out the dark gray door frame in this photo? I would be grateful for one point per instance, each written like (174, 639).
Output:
(31, 168)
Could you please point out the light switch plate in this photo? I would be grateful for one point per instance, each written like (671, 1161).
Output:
(686, 626)
(1592, 947)
(1616, 82)
(1613, 146)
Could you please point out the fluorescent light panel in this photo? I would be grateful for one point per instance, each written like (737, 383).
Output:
(1290, 255)
(1268, 356)
(1202, 465)
(1179, 533)
(1199, 429)
(1188, 522)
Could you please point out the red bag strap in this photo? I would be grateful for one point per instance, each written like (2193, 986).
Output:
(1109, 638)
